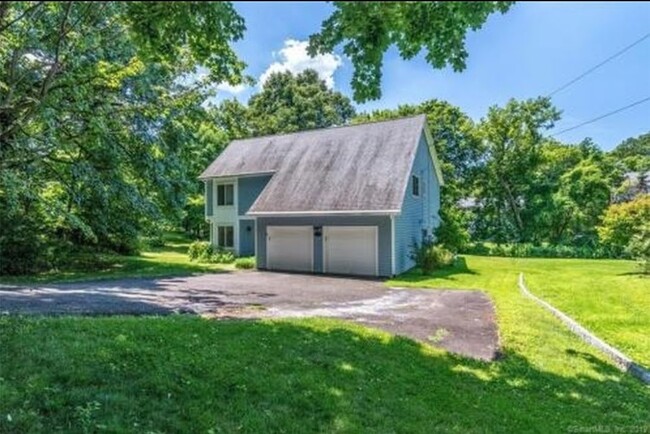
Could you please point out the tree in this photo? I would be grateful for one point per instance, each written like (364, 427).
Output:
(92, 144)
(289, 103)
(367, 29)
(633, 153)
(513, 139)
(622, 222)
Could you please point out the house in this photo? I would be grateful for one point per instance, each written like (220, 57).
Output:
(343, 200)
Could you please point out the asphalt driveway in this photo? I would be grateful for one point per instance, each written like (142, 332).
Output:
(460, 321)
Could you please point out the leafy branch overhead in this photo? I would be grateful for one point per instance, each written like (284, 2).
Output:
(366, 30)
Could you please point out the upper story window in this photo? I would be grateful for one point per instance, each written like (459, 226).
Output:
(415, 185)
(225, 195)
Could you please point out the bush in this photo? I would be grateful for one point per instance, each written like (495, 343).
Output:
(639, 248)
(430, 257)
(222, 257)
(245, 263)
(200, 251)
(152, 242)
(622, 221)
(528, 250)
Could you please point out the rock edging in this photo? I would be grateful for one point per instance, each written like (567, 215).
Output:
(623, 362)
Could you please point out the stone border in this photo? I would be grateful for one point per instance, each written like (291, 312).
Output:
(622, 361)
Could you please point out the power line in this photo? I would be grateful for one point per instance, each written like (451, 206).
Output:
(591, 121)
(589, 71)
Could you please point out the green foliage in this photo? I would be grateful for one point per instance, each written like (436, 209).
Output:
(622, 221)
(289, 103)
(452, 231)
(639, 247)
(367, 29)
(245, 263)
(528, 250)
(633, 154)
(200, 251)
(221, 257)
(513, 139)
(429, 256)
(97, 134)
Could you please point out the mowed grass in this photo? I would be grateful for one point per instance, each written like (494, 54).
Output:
(169, 260)
(609, 297)
(187, 374)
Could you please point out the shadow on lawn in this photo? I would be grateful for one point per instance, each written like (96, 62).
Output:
(459, 267)
(190, 375)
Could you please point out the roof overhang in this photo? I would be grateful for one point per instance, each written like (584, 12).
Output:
(347, 213)
(433, 153)
(238, 175)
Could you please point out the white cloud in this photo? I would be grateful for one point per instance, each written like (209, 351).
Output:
(229, 88)
(293, 57)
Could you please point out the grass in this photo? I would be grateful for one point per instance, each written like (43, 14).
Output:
(169, 260)
(608, 297)
(188, 374)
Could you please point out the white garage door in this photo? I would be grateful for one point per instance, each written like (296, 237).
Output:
(290, 248)
(350, 250)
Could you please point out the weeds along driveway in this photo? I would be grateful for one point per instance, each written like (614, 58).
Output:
(460, 321)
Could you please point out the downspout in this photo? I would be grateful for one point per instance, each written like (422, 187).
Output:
(392, 245)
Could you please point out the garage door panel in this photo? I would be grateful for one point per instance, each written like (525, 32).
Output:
(289, 248)
(351, 250)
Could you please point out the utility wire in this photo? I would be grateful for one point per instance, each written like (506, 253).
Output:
(589, 71)
(591, 121)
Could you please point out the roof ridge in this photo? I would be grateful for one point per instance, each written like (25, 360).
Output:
(333, 127)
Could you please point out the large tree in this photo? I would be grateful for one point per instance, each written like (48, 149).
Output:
(289, 103)
(90, 142)
(513, 138)
(368, 29)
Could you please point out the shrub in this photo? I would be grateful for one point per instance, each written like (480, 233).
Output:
(429, 256)
(528, 250)
(245, 263)
(222, 257)
(200, 251)
(639, 248)
(152, 242)
(622, 221)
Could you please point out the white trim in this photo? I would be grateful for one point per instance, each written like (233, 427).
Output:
(235, 192)
(324, 243)
(255, 242)
(392, 245)
(319, 213)
(246, 217)
(433, 153)
(239, 175)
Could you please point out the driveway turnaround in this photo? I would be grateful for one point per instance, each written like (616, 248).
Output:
(459, 321)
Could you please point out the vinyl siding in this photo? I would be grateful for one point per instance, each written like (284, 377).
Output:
(248, 191)
(417, 213)
(383, 231)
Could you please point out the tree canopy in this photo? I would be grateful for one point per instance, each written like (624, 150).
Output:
(366, 30)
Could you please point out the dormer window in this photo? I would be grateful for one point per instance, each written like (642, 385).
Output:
(415, 185)
(225, 195)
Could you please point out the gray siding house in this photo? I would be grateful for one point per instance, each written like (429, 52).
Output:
(342, 200)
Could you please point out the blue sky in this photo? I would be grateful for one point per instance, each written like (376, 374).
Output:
(529, 51)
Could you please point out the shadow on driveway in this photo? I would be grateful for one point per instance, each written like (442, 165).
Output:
(459, 321)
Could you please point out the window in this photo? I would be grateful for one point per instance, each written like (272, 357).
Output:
(225, 195)
(225, 236)
(415, 185)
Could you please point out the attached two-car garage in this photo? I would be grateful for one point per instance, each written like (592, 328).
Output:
(342, 249)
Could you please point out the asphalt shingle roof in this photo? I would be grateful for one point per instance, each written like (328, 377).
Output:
(358, 168)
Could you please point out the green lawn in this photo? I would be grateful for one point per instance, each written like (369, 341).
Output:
(609, 297)
(187, 374)
(170, 260)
